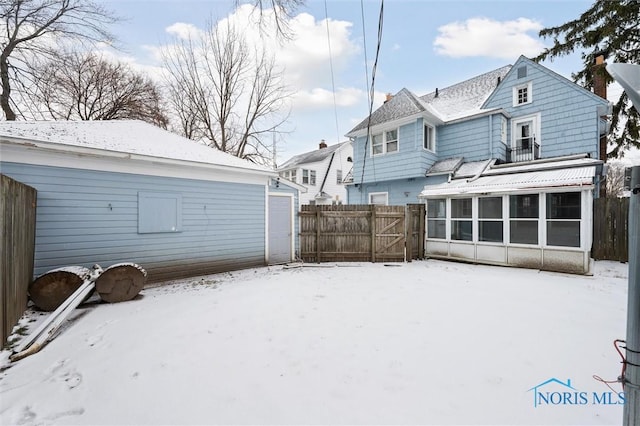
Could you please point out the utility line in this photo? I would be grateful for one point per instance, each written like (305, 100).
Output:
(372, 90)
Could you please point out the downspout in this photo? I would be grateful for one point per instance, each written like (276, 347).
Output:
(327, 173)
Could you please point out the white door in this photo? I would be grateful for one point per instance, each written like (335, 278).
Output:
(280, 229)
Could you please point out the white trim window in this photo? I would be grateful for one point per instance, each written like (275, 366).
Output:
(523, 218)
(437, 218)
(379, 198)
(338, 177)
(490, 223)
(461, 219)
(522, 94)
(385, 142)
(429, 138)
(564, 213)
(308, 177)
(525, 140)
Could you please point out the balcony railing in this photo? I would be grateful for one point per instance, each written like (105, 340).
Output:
(524, 152)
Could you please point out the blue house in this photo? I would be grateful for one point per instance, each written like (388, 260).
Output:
(507, 163)
(127, 191)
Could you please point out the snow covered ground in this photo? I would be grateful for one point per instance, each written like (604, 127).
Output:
(426, 342)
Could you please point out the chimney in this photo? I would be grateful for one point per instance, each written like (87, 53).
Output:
(599, 77)
(436, 92)
(388, 97)
(323, 144)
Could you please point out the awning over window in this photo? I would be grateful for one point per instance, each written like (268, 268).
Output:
(515, 182)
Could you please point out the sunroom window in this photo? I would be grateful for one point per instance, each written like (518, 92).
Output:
(563, 219)
(437, 218)
(461, 223)
(523, 214)
(490, 227)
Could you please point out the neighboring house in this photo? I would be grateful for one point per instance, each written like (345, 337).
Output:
(507, 163)
(127, 191)
(323, 172)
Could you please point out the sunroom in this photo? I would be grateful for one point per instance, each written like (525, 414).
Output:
(537, 215)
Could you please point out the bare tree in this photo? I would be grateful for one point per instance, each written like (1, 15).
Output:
(615, 179)
(85, 86)
(225, 93)
(36, 28)
(281, 10)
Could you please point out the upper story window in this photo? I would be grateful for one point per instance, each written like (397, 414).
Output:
(308, 177)
(522, 94)
(429, 138)
(289, 175)
(385, 142)
(338, 177)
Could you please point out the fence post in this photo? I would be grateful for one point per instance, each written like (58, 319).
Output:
(373, 232)
(318, 217)
(408, 233)
(631, 414)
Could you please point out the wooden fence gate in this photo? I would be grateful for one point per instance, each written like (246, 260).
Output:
(362, 233)
(17, 245)
(611, 229)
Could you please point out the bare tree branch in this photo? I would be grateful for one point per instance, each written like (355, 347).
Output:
(31, 26)
(225, 94)
(86, 87)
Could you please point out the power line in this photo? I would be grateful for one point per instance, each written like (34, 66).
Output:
(333, 82)
(372, 90)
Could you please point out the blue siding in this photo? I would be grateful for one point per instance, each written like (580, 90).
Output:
(86, 217)
(468, 139)
(395, 188)
(410, 161)
(569, 123)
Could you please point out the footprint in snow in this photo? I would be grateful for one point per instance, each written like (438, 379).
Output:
(93, 340)
(72, 379)
(25, 416)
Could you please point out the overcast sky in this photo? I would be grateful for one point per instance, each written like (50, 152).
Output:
(425, 44)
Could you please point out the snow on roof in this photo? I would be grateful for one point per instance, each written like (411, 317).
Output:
(461, 100)
(472, 168)
(568, 173)
(466, 98)
(123, 136)
(312, 156)
(402, 104)
(448, 165)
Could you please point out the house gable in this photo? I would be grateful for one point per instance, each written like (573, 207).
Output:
(564, 115)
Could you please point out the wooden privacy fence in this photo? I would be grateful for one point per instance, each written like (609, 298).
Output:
(611, 229)
(18, 226)
(358, 233)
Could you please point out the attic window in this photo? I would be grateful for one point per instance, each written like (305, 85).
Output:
(522, 94)
(522, 72)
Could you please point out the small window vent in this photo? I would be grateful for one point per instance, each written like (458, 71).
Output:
(522, 72)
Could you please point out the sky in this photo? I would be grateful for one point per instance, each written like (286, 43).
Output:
(425, 342)
(328, 63)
